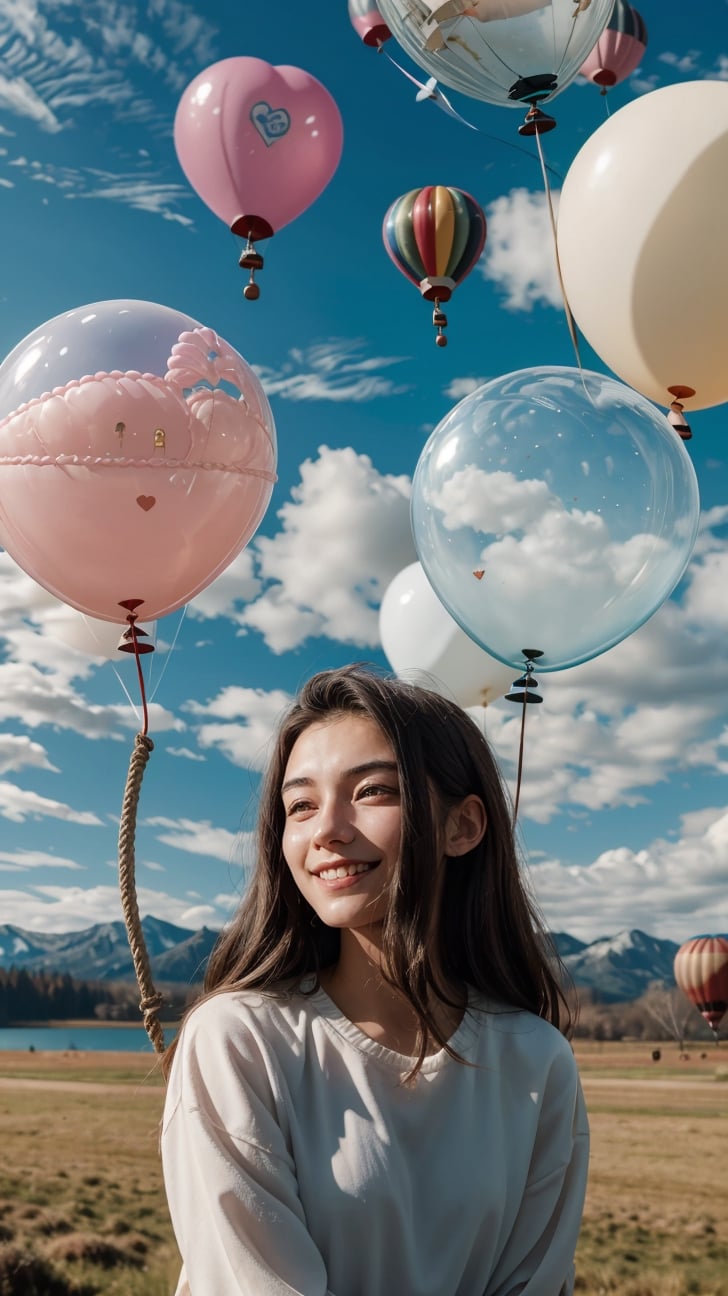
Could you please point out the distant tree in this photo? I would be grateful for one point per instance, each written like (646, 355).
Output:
(668, 1006)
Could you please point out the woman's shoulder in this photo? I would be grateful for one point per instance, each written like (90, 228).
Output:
(233, 1014)
(516, 1030)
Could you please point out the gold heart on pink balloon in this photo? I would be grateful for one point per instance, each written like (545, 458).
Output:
(146, 502)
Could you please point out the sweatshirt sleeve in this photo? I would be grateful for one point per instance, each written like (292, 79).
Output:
(229, 1176)
(538, 1258)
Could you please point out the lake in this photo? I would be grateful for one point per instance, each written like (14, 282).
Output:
(91, 1039)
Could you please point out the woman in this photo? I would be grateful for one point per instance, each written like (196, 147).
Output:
(373, 1098)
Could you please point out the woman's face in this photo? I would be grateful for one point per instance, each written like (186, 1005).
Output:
(343, 822)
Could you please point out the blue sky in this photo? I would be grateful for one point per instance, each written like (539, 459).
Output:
(624, 807)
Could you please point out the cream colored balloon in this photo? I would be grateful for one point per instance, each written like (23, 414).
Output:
(642, 242)
(424, 645)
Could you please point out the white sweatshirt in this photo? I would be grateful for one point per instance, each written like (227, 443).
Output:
(296, 1163)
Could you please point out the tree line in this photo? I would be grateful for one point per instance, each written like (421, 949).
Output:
(57, 996)
(661, 1013)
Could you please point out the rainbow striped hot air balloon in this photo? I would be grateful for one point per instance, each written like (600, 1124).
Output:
(619, 49)
(368, 22)
(435, 236)
(701, 971)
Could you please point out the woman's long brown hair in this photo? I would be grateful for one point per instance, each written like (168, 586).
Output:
(451, 923)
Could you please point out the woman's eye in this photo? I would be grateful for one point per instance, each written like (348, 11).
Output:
(377, 789)
(298, 807)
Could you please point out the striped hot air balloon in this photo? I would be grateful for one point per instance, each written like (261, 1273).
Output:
(619, 49)
(435, 236)
(368, 22)
(701, 971)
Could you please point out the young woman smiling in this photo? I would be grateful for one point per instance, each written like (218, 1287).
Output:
(375, 1097)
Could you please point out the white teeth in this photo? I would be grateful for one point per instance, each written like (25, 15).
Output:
(343, 870)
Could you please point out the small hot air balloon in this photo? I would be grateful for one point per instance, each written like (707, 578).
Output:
(701, 971)
(619, 49)
(368, 22)
(435, 236)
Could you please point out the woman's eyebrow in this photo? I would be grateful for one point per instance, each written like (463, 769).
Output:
(367, 767)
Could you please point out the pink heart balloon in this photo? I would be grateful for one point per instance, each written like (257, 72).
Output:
(257, 140)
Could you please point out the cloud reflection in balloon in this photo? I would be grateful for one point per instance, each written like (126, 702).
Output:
(553, 509)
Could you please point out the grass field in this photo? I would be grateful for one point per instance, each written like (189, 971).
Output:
(82, 1208)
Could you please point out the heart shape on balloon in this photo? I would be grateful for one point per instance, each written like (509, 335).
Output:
(271, 123)
(146, 502)
(226, 124)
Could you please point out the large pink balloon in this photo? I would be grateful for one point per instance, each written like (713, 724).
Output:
(257, 140)
(137, 457)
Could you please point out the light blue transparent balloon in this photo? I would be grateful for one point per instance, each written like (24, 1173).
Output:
(507, 52)
(554, 509)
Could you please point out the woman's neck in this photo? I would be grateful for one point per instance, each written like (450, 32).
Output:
(357, 987)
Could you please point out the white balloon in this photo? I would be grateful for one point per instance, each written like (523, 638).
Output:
(641, 241)
(425, 645)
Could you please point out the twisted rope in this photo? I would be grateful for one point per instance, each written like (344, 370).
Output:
(151, 1000)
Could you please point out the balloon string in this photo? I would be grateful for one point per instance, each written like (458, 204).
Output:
(140, 674)
(567, 309)
(519, 774)
(443, 102)
(168, 655)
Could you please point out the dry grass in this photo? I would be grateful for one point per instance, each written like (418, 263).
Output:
(82, 1207)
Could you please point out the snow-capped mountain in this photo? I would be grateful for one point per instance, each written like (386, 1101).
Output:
(616, 968)
(101, 953)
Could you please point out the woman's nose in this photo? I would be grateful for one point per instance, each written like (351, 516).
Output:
(333, 824)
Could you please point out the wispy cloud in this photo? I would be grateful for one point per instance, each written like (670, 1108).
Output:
(24, 860)
(334, 371)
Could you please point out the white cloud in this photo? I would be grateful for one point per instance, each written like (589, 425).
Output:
(345, 534)
(519, 255)
(19, 804)
(239, 723)
(185, 753)
(675, 889)
(17, 751)
(333, 371)
(458, 388)
(63, 909)
(198, 838)
(237, 584)
(21, 861)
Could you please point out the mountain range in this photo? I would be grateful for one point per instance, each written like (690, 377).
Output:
(617, 968)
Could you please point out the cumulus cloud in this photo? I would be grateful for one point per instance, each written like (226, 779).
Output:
(676, 889)
(520, 257)
(235, 586)
(345, 533)
(22, 861)
(74, 908)
(239, 723)
(458, 388)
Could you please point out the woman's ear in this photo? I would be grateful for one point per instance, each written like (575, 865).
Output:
(465, 826)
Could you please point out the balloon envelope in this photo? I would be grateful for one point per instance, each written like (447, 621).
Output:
(701, 971)
(257, 140)
(425, 645)
(435, 234)
(553, 509)
(641, 241)
(508, 52)
(137, 457)
(367, 22)
(620, 48)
